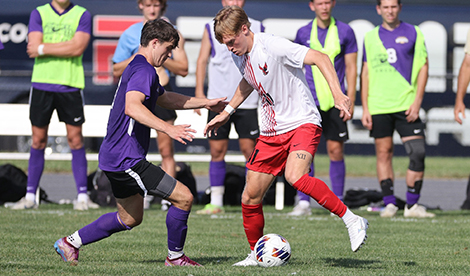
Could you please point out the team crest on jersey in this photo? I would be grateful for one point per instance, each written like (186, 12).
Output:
(401, 40)
(264, 69)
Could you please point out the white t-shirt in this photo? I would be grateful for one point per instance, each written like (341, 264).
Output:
(274, 69)
(223, 75)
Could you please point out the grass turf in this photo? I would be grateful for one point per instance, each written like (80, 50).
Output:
(320, 244)
(356, 165)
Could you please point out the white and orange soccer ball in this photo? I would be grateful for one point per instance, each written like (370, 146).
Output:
(272, 250)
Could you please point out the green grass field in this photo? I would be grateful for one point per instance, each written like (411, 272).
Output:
(356, 165)
(320, 244)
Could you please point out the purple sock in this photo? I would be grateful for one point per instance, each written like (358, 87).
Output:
(301, 195)
(411, 199)
(217, 173)
(389, 199)
(79, 169)
(337, 175)
(177, 226)
(103, 227)
(35, 169)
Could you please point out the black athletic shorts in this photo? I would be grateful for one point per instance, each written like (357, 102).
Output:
(383, 125)
(69, 107)
(163, 113)
(143, 178)
(245, 121)
(334, 128)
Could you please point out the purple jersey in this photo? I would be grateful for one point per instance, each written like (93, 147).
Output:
(127, 141)
(1, 45)
(348, 43)
(35, 25)
(400, 45)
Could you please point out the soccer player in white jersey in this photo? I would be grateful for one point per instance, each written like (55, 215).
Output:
(290, 122)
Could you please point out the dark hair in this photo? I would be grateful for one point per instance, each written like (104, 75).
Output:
(379, 2)
(161, 30)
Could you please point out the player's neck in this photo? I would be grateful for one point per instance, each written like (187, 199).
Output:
(324, 24)
(60, 7)
(391, 26)
(147, 53)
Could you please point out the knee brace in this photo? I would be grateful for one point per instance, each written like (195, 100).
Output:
(416, 151)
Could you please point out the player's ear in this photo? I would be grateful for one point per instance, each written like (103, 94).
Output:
(154, 43)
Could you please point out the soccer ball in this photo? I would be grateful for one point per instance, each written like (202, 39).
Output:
(272, 250)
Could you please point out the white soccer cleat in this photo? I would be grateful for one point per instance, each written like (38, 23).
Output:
(301, 209)
(249, 261)
(23, 203)
(357, 233)
(80, 205)
(417, 211)
(389, 211)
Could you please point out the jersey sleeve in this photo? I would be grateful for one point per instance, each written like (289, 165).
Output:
(141, 80)
(350, 41)
(85, 23)
(287, 52)
(35, 22)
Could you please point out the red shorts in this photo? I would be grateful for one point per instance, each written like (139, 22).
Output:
(270, 153)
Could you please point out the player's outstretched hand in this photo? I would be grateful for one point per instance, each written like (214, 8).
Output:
(216, 105)
(215, 123)
(181, 133)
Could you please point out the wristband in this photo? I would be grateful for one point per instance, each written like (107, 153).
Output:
(41, 49)
(229, 109)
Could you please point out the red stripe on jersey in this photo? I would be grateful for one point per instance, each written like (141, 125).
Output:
(268, 113)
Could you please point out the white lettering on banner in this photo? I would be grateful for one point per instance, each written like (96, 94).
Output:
(15, 33)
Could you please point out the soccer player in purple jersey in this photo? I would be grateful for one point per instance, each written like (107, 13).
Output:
(58, 35)
(123, 151)
(126, 49)
(341, 47)
(393, 79)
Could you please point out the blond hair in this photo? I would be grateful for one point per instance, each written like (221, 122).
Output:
(229, 21)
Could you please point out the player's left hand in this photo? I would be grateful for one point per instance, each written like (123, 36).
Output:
(181, 133)
(216, 105)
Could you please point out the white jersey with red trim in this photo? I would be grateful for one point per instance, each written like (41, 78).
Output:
(274, 69)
